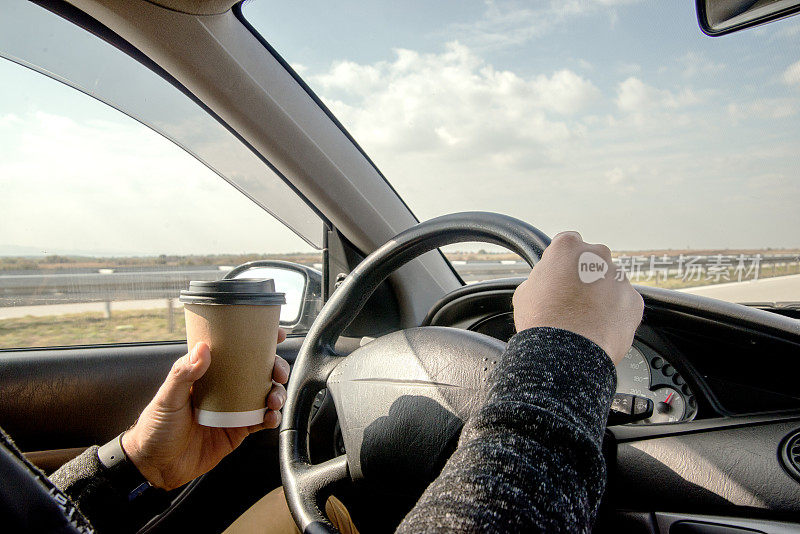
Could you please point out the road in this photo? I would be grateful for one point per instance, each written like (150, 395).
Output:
(47, 294)
(83, 307)
(778, 289)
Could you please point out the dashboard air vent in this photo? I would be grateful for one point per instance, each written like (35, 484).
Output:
(790, 454)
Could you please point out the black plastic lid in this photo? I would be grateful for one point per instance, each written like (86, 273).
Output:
(258, 292)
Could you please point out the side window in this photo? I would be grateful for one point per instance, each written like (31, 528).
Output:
(103, 220)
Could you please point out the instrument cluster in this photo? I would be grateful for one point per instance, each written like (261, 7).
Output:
(642, 372)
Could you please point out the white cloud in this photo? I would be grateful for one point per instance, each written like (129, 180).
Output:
(789, 31)
(454, 99)
(586, 6)
(615, 176)
(791, 76)
(299, 68)
(353, 78)
(10, 120)
(614, 2)
(564, 91)
(509, 23)
(623, 178)
(633, 95)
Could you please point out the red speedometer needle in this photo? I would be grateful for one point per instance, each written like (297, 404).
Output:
(669, 397)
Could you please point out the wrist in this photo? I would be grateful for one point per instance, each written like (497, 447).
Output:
(131, 446)
(565, 368)
(580, 328)
(120, 472)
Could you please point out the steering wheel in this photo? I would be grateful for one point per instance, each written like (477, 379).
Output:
(402, 398)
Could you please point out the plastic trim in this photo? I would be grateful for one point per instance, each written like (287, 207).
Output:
(624, 434)
(666, 521)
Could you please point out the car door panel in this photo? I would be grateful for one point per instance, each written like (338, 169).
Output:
(54, 402)
(74, 397)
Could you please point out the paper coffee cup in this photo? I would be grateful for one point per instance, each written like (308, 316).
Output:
(238, 320)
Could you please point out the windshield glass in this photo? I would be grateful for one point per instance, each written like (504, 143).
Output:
(618, 119)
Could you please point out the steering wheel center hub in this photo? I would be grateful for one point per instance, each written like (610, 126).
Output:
(402, 400)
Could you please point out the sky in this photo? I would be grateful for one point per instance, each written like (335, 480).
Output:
(79, 177)
(617, 118)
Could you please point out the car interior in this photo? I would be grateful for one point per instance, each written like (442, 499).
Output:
(715, 448)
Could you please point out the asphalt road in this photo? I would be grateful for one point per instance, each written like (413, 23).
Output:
(11, 312)
(778, 289)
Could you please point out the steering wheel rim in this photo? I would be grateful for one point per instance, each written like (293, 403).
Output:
(306, 485)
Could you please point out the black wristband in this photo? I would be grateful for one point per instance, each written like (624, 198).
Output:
(121, 472)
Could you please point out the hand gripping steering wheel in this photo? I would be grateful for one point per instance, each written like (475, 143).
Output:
(402, 398)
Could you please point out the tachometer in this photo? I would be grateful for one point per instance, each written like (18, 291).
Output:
(670, 406)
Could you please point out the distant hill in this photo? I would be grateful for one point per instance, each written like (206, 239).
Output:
(30, 252)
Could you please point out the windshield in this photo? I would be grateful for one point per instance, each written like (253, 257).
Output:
(618, 119)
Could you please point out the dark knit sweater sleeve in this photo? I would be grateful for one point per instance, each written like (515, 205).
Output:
(530, 459)
(86, 481)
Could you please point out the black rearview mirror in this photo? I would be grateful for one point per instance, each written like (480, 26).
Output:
(718, 17)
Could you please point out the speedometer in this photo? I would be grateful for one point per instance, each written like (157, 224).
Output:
(633, 374)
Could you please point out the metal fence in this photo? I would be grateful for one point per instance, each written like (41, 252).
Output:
(36, 288)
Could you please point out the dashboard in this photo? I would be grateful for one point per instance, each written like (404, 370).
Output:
(692, 364)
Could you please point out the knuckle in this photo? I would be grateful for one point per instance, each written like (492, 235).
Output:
(180, 368)
(568, 238)
(603, 251)
(177, 368)
(518, 293)
(616, 274)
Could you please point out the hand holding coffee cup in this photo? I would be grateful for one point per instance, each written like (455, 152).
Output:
(167, 444)
(238, 320)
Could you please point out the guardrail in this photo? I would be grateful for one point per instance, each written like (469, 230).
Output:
(62, 288)
(47, 288)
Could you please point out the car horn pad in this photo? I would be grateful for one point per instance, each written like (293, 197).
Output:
(402, 400)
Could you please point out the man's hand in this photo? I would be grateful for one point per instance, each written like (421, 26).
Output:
(606, 311)
(167, 444)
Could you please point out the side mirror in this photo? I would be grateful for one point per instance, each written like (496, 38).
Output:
(718, 17)
(302, 285)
